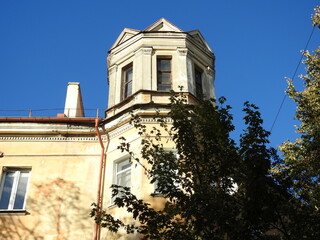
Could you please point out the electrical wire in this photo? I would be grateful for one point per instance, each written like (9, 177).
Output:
(293, 76)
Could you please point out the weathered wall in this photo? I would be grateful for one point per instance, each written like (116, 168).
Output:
(62, 186)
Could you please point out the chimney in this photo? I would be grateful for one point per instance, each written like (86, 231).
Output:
(73, 106)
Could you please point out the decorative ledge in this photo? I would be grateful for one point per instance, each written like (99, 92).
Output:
(49, 139)
(14, 212)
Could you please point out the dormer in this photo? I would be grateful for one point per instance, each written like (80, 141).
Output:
(144, 66)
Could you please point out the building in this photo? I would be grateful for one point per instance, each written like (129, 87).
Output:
(53, 168)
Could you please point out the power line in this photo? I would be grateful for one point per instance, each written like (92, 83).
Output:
(294, 74)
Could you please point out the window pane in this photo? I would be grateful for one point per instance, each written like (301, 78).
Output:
(21, 190)
(123, 165)
(164, 64)
(6, 192)
(124, 179)
(129, 75)
(128, 89)
(164, 87)
(124, 173)
(164, 77)
(198, 79)
(198, 76)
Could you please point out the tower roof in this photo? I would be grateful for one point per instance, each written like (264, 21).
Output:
(162, 25)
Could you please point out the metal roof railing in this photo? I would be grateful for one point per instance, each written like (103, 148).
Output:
(53, 112)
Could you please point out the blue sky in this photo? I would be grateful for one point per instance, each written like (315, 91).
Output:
(46, 44)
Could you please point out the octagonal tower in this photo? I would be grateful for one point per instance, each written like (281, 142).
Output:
(144, 66)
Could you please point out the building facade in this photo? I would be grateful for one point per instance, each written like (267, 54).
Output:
(53, 168)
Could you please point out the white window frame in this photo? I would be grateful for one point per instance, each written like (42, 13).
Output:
(159, 80)
(117, 173)
(17, 172)
(198, 92)
(126, 82)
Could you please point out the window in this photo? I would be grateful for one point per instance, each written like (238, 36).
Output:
(127, 81)
(13, 188)
(123, 173)
(198, 82)
(164, 169)
(164, 74)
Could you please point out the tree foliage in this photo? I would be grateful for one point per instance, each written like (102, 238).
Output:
(218, 190)
(301, 157)
(214, 188)
(300, 167)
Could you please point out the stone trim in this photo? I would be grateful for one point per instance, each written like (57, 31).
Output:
(113, 69)
(53, 155)
(155, 120)
(147, 51)
(182, 51)
(210, 71)
(120, 130)
(113, 133)
(50, 139)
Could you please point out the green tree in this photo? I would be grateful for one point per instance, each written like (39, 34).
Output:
(214, 188)
(300, 167)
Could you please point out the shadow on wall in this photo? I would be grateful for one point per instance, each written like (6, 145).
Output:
(55, 214)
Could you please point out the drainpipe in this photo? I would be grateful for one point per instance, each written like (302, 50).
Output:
(101, 177)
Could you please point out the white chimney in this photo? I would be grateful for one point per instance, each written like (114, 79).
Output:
(74, 105)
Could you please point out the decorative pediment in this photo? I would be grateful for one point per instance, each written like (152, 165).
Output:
(162, 25)
(126, 34)
(199, 38)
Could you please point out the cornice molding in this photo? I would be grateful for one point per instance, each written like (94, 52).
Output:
(147, 50)
(144, 120)
(49, 139)
(120, 130)
(155, 120)
(113, 133)
(54, 155)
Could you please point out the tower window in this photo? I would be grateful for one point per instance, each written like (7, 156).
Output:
(127, 81)
(198, 82)
(164, 74)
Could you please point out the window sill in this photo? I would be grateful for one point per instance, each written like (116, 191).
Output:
(112, 206)
(14, 212)
(157, 195)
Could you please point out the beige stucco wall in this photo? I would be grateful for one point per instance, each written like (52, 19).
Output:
(64, 177)
(62, 186)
